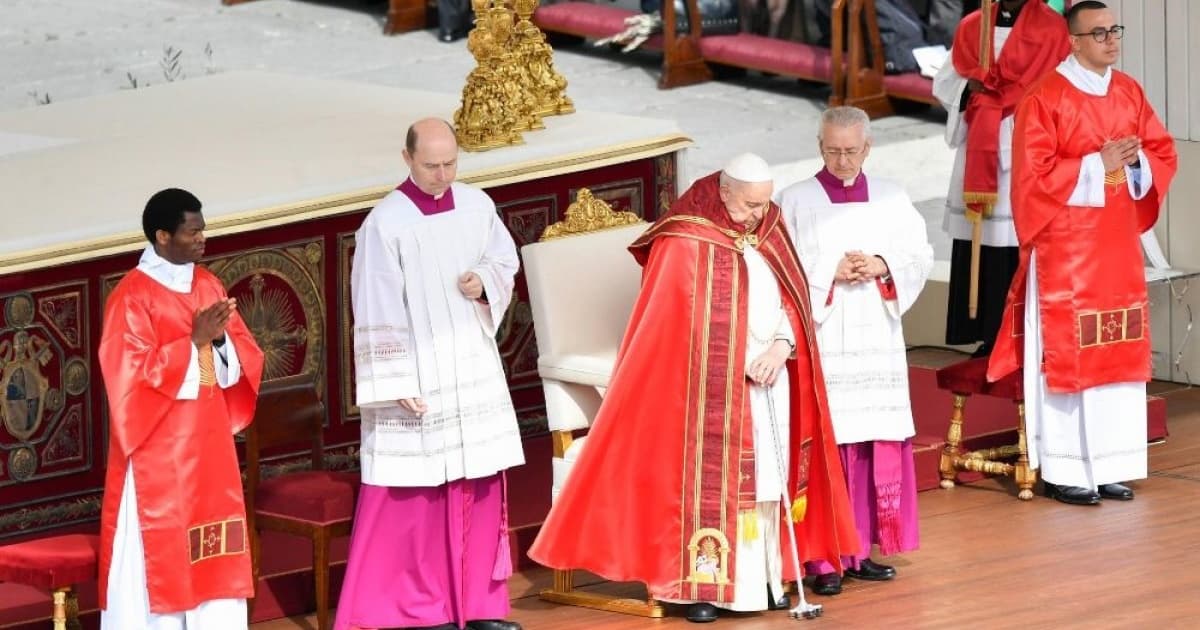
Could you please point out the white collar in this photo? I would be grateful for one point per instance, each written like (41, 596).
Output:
(177, 278)
(1083, 79)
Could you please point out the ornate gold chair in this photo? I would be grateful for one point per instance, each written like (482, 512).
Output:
(582, 286)
(970, 377)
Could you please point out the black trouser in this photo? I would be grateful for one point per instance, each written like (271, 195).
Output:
(454, 16)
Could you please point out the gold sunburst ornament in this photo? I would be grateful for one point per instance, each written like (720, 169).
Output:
(268, 316)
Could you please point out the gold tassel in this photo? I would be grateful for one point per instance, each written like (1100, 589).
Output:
(979, 205)
(799, 509)
(749, 525)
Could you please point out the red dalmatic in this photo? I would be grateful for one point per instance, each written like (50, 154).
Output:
(185, 466)
(1090, 272)
(670, 457)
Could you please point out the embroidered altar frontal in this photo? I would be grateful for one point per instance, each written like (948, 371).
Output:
(286, 168)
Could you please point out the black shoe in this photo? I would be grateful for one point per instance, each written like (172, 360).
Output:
(701, 613)
(984, 349)
(780, 603)
(1116, 491)
(493, 624)
(1073, 495)
(827, 584)
(871, 571)
(446, 37)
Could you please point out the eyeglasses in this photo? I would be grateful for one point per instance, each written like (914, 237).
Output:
(1101, 35)
(834, 154)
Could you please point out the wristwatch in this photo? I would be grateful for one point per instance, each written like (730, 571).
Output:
(219, 342)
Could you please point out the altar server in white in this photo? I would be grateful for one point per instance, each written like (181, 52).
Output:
(431, 280)
(864, 248)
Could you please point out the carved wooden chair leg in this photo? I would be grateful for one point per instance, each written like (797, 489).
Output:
(564, 580)
(321, 576)
(953, 441)
(1024, 476)
(60, 608)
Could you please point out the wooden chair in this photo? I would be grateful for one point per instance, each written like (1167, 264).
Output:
(967, 378)
(317, 504)
(55, 564)
(865, 84)
(578, 334)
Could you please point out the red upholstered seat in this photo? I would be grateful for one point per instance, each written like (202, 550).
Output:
(910, 87)
(970, 377)
(756, 52)
(317, 497)
(585, 19)
(52, 562)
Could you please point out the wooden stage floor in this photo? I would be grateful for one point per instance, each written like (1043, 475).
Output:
(988, 560)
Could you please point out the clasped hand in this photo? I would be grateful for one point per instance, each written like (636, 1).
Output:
(857, 267)
(208, 324)
(1120, 152)
(414, 405)
(765, 369)
(470, 285)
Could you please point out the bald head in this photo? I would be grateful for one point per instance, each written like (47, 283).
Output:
(431, 152)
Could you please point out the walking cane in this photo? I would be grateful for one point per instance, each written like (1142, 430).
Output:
(803, 610)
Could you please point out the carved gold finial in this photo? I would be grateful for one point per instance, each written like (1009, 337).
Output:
(514, 82)
(495, 107)
(547, 87)
(588, 214)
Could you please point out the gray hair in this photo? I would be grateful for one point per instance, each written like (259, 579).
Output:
(844, 116)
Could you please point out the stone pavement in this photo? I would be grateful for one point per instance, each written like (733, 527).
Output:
(69, 49)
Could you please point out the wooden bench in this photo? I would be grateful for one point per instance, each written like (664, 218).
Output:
(686, 59)
(867, 85)
(681, 65)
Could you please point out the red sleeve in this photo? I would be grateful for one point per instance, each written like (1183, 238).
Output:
(887, 288)
(1042, 178)
(1159, 148)
(965, 51)
(142, 371)
(242, 398)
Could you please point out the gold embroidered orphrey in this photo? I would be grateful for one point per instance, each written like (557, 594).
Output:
(588, 214)
(213, 540)
(23, 387)
(708, 557)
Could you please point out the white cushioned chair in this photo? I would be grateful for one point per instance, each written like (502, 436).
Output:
(582, 286)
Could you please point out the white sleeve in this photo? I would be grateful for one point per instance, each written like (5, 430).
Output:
(1140, 178)
(228, 367)
(190, 390)
(1089, 189)
(497, 269)
(385, 354)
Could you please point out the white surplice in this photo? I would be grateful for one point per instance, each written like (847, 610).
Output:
(758, 561)
(1096, 436)
(997, 229)
(859, 333)
(417, 336)
(128, 598)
